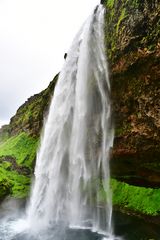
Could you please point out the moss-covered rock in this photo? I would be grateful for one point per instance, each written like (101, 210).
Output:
(4, 133)
(13, 183)
(21, 147)
(133, 199)
(133, 48)
(29, 117)
(19, 142)
(131, 25)
(136, 199)
(17, 158)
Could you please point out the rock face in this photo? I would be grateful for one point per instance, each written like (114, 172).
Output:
(29, 117)
(133, 43)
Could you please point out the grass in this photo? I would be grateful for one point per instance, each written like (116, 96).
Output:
(22, 147)
(110, 3)
(135, 199)
(140, 199)
(13, 183)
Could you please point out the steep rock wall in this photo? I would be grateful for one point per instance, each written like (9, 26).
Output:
(133, 49)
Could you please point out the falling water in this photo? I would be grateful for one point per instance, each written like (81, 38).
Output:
(73, 161)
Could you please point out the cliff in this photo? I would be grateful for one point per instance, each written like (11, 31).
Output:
(132, 36)
(19, 142)
(29, 117)
(133, 49)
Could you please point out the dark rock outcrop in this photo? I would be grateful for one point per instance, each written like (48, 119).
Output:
(102, 1)
(133, 49)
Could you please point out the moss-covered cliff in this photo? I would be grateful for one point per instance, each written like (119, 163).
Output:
(132, 36)
(19, 142)
(133, 48)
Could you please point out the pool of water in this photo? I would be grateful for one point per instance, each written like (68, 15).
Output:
(125, 227)
(69, 234)
(9, 232)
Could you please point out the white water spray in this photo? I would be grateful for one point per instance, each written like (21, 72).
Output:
(73, 161)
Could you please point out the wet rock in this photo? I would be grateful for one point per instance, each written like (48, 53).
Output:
(133, 48)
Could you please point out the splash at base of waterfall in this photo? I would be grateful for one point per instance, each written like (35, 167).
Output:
(14, 226)
(19, 230)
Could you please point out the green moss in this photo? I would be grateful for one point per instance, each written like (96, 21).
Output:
(5, 186)
(4, 133)
(136, 199)
(110, 3)
(123, 129)
(31, 114)
(6, 165)
(30, 111)
(13, 183)
(119, 132)
(140, 199)
(121, 18)
(22, 147)
(135, 3)
(21, 187)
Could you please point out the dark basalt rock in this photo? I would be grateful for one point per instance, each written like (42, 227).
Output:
(65, 55)
(102, 1)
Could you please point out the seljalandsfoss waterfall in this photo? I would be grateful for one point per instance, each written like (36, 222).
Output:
(72, 167)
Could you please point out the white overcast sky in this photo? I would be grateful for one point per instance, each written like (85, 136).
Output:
(34, 35)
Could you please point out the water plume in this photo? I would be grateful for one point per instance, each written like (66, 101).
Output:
(73, 161)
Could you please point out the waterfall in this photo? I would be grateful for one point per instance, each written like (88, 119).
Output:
(72, 164)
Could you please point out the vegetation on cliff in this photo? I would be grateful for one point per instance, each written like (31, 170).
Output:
(12, 183)
(30, 116)
(17, 157)
(133, 49)
(136, 199)
(19, 143)
(133, 199)
(21, 147)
